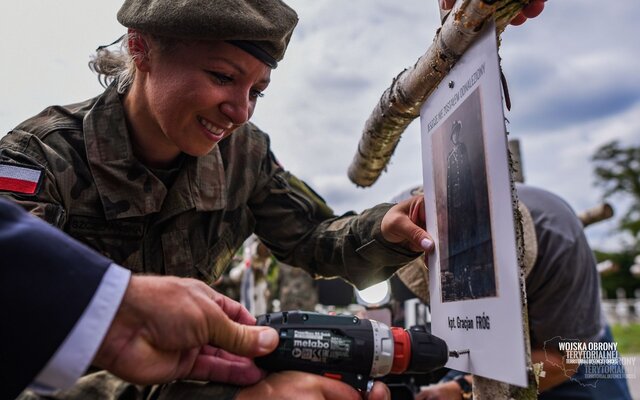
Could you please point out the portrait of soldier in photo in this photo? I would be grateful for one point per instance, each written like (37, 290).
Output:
(462, 199)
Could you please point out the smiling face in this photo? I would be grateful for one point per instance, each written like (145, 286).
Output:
(187, 97)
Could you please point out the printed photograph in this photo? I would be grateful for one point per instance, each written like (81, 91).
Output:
(467, 268)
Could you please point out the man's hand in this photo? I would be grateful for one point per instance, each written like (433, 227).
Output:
(531, 10)
(556, 370)
(296, 385)
(171, 328)
(403, 223)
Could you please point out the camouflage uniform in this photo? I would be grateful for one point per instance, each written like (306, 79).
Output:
(94, 188)
(297, 289)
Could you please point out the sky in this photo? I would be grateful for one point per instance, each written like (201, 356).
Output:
(573, 75)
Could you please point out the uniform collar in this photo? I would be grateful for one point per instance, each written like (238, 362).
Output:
(126, 187)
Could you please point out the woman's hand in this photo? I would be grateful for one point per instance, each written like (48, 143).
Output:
(531, 10)
(403, 224)
(294, 385)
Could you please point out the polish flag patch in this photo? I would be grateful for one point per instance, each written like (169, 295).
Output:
(18, 179)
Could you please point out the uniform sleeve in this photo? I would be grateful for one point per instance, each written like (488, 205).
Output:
(22, 152)
(301, 230)
(47, 279)
(73, 357)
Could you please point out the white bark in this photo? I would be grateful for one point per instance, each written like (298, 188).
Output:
(400, 103)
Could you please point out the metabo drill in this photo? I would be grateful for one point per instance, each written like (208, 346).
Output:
(348, 348)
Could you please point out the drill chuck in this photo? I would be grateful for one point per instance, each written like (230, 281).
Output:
(348, 348)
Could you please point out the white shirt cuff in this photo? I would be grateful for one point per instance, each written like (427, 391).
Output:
(74, 356)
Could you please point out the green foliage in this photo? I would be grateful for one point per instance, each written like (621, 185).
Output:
(628, 338)
(620, 279)
(617, 171)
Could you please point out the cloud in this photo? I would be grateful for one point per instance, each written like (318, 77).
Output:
(574, 64)
(572, 72)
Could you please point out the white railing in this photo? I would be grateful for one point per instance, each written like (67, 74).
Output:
(622, 310)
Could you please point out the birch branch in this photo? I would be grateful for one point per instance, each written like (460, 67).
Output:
(400, 103)
(595, 214)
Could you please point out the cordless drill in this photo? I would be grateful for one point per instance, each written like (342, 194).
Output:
(348, 348)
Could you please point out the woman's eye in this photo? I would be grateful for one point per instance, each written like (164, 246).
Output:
(256, 93)
(220, 77)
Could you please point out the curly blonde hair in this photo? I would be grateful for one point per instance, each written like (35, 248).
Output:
(115, 65)
(119, 65)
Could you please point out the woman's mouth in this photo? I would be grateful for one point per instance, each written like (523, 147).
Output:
(214, 133)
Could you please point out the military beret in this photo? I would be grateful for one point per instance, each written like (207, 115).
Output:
(261, 27)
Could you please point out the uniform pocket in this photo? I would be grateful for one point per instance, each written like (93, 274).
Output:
(177, 254)
(119, 240)
(217, 259)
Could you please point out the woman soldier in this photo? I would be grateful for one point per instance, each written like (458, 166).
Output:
(163, 173)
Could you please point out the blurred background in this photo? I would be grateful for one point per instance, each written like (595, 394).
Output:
(573, 76)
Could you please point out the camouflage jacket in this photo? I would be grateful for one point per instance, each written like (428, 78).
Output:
(91, 185)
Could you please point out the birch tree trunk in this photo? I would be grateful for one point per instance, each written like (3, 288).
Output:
(516, 160)
(400, 103)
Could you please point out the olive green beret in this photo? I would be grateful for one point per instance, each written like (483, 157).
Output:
(260, 27)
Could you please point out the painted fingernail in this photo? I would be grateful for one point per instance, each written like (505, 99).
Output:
(426, 244)
(443, 4)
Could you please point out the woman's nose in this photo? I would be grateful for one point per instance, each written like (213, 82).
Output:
(238, 108)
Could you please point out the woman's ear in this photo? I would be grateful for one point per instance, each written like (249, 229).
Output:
(139, 49)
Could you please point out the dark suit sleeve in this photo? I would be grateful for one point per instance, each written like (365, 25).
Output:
(46, 281)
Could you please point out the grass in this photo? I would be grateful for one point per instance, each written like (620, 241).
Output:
(628, 338)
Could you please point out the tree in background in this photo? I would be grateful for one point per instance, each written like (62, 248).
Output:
(621, 277)
(617, 170)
